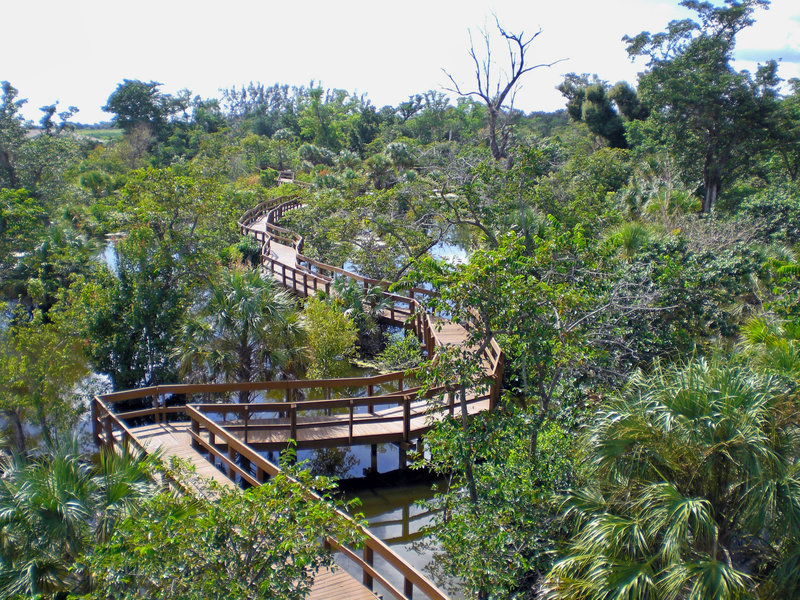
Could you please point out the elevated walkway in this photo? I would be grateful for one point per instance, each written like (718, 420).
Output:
(223, 439)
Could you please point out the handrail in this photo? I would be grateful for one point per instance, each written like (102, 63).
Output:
(105, 423)
(264, 468)
(255, 386)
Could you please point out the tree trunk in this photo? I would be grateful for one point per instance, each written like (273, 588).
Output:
(19, 431)
(5, 162)
(712, 182)
(470, 476)
(497, 154)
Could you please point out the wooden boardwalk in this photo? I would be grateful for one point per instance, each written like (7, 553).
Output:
(394, 415)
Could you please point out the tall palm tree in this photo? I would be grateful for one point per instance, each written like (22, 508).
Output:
(248, 329)
(55, 506)
(694, 492)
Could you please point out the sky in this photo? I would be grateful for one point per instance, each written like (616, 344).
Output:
(77, 51)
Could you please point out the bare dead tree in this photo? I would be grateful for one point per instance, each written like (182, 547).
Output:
(495, 94)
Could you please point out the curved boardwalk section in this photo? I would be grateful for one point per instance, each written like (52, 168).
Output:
(224, 440)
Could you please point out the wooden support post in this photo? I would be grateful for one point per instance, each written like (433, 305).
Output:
(196, 431)
(109, 432)
(408, 588)
(369, 559)
(96, 427)
(402, 459)
(373, 455)
(246, 421)
(261, 475)
(232, 458)
(350, 434)
(452, 395)
(407, 419)
(370, 393)
(293, 422)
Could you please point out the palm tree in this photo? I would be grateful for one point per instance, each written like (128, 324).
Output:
(55, 506)
(773, 345)
(247, 330)
(364, 306)
(694, 492)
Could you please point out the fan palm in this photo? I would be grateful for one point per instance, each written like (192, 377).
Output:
(248, 329)
(773, 345)
(55, 506)
(694, 492)
(364, 305)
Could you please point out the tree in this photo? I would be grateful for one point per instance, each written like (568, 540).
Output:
(135, 103)
(331, 336)
(539, 302)
(693, 491)
(499, 545)
(12, 135)
(263, 543)
(20, 226)
(133, 317)
(589, 100)
(710, 114)
(40, 364)
(55, 507)
(495, 90)
(247, 330)
(785, 133)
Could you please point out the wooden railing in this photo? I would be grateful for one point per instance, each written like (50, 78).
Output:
(260, 469)
(109, 430)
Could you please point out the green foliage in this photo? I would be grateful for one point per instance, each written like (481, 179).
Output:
(402, 352)
(133, 317)
(264, 543)
(589, 101)
(55, 507)
(776, 209)
(362, 305)
(692, 491)
(497, 546)
(136, 103)
(331, 336)
(41, 361)
(247, 330)
(711, 115)
(20, 228)
(41, 274)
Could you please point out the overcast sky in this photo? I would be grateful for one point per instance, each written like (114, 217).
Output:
(76, 52)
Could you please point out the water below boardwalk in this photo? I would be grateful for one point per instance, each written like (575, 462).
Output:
(395, 516)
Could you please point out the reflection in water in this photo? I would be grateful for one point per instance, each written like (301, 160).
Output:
(332, 462)
(394, 515)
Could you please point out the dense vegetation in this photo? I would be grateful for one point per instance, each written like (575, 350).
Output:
(634, 254)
